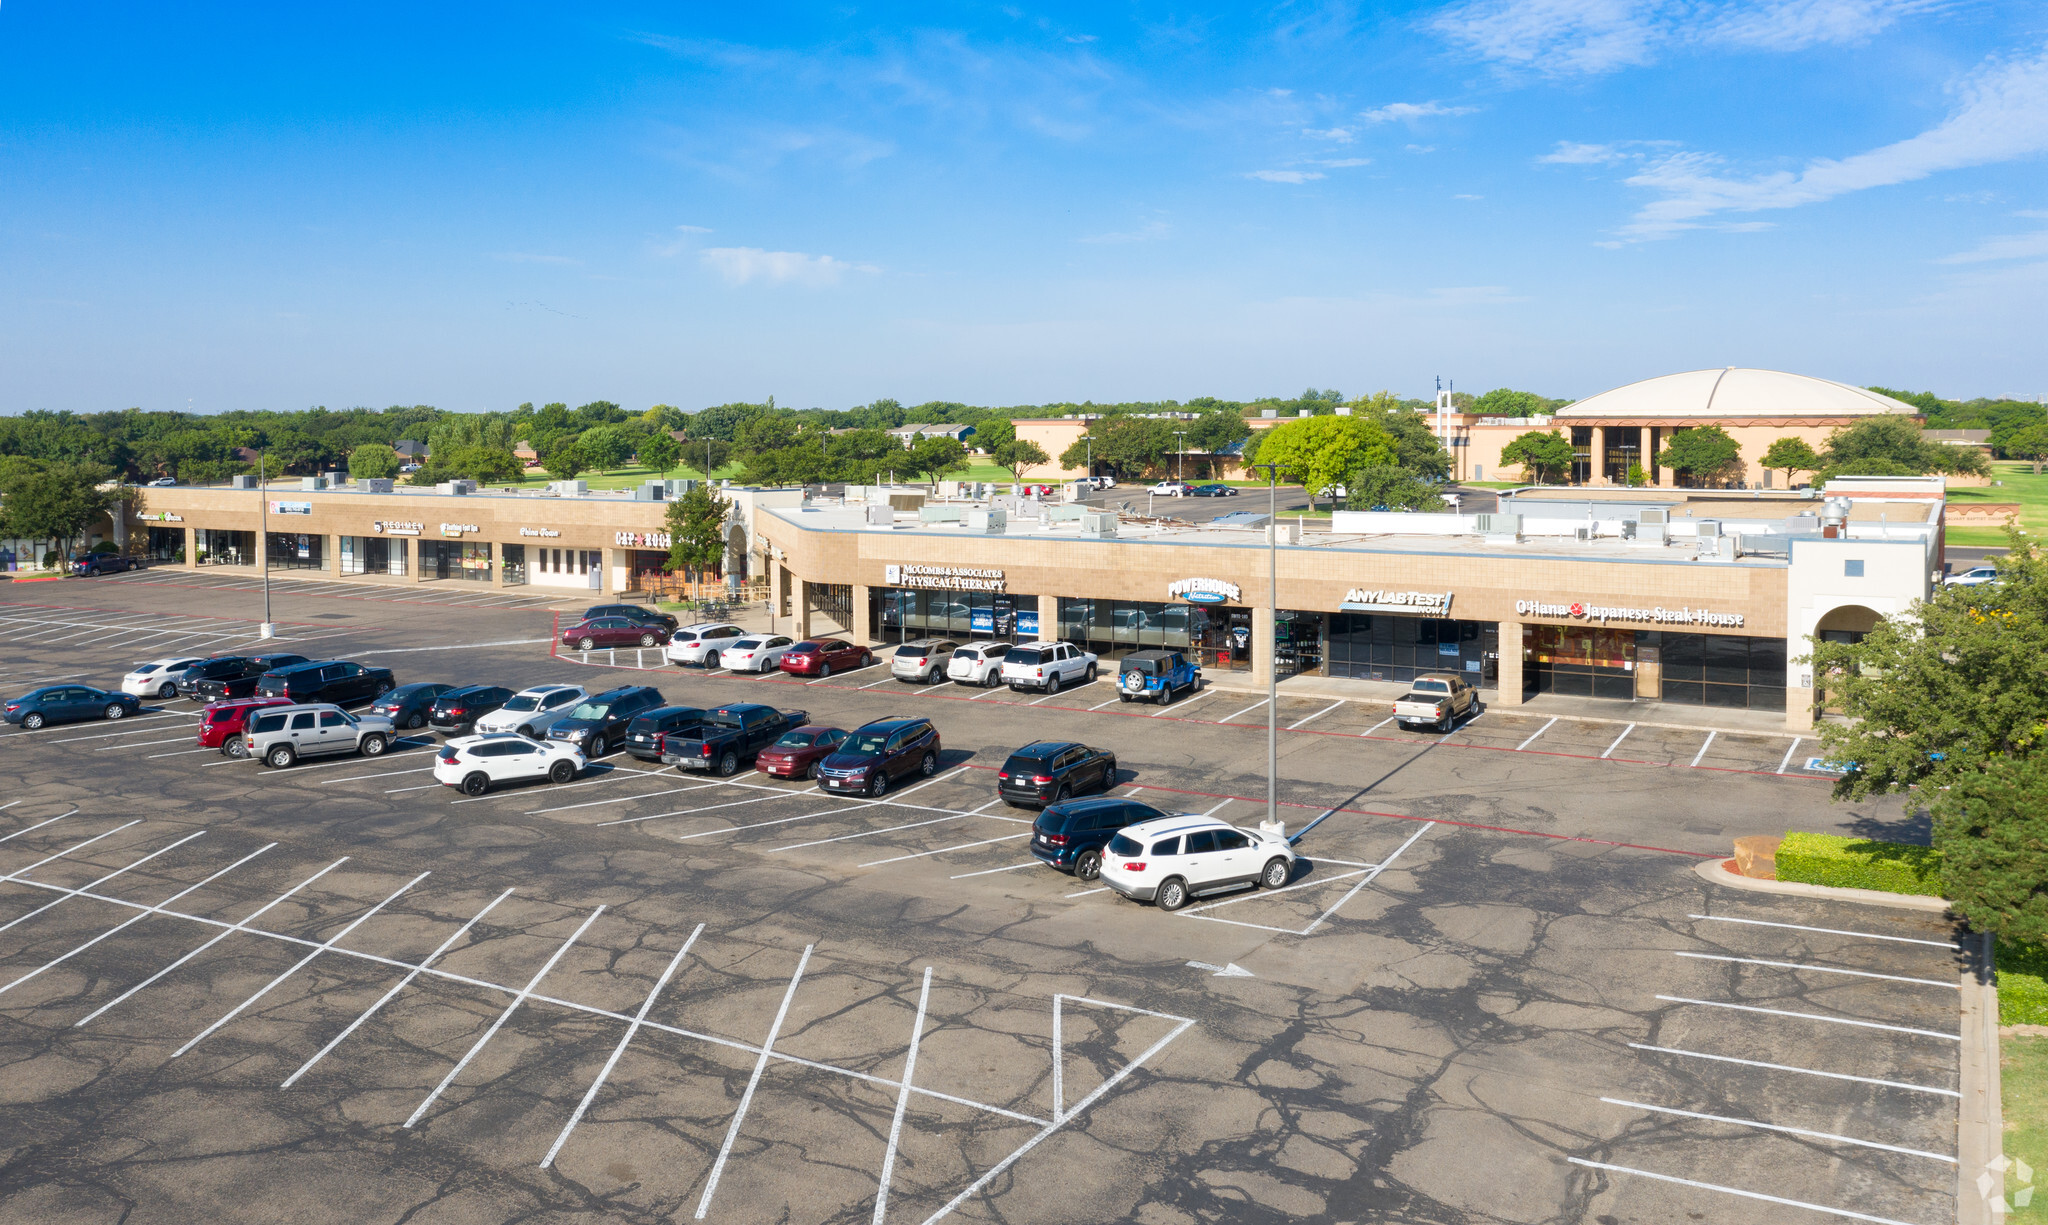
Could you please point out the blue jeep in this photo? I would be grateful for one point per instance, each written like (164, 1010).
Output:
(1156, 676)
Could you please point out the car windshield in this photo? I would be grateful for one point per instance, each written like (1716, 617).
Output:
(523, 702)
(591, 710)
(798, 740)
(1125, 847)
(865, 742)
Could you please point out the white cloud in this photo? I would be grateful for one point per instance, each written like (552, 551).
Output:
(1564, 37)
(1421, 148)
(693, 229)
(2002, 115)
(1466, 197)
(1340, 136)
(2003, 247)
(1407, 111)
(742, 265)
(1285, 176)
(1569, 153)
(1344, 163)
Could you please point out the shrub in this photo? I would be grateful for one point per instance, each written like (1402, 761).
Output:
(1858, 863)
(2022, 983)
(105, 546)
(50, 560)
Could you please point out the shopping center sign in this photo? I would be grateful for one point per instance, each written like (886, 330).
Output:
(1414, 603)
(644, 540)
(944, 578)
(385, 527)
(1604, 613)
(1205, 591)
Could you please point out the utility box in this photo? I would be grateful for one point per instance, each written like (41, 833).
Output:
(992, 521)
(1098, 523)
(242, 482)
(880, 515)
(374, 484)
(312, 484)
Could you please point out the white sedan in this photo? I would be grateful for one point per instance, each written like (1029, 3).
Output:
(472, 763)
(1976, 576)
(700, 644)
(158, 678)
(755, 653)
(531, 712)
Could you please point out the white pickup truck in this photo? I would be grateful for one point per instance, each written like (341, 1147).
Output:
(1047, 666)
(1438, 699)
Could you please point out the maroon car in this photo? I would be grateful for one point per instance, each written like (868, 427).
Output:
(797, 753)
(613, 632)
(824, 656)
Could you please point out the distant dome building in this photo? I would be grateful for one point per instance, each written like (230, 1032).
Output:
(1630, 424)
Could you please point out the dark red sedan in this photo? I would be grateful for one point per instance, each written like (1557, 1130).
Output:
(824, 656)
(797, 753)
(613, 632)
(221, 723)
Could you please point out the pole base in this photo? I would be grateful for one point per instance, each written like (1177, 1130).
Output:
(267, 630)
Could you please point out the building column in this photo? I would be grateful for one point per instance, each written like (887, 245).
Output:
(1799, 688)
(802, 609)
(330, 557)
(862, 631)
(191, 561)
(418, 549)
(1655, 433)
(1596, 471)
(1262, 646)
(1049, 618)
(497, 565)
(1508, 669)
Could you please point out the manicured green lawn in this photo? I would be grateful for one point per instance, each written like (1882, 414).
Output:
(2021, 486)
(2023, 1081)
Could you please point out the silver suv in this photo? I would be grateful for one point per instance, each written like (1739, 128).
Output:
(281, 735)
(924, 660)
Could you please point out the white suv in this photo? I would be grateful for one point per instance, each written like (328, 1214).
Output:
(699, 645)
(978, 663)
(1047, 666)
(1173, 859)
(473, 763)
(531, 712)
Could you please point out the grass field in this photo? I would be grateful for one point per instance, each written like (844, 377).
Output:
(2023, 1081)
(2021, 486)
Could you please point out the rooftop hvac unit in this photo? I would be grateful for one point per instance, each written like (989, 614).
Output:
(312, 484)
(1583, 532)
(569, 489)
(1653, 515)
(242, 482)
(1708, 527)
(1496, 524)
(647, 493)
(988, 519)
(1628, 529)
(1099, 523)
(929, 513)
(374, 484)
(881, 514)
(456, 488)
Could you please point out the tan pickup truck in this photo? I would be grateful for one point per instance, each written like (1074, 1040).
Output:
(1436, 698)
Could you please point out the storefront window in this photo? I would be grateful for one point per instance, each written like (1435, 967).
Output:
(166, 543)
(1390, 647)
(904, 616)
(295, 551)
(220, 548)
(372, 555)
(470, 561)
(1115, 628)
(1297, 642)
(515, 565)
(1581, 660)
(1721, 670)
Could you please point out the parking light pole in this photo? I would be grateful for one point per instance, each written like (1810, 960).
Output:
(1272, 648)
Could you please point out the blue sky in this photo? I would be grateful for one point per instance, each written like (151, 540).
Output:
(284, 205)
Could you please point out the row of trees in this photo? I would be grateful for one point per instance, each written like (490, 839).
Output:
(1706, 455)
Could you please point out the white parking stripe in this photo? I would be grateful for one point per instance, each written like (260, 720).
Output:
(1319, 714)
(1789, 750)
(131, 744)
(180, 753)
(1793, 965)
(1247, 710)
(1704, 747)
(902, 1099)
(1779, 1067)
(532, 985)
(102, 880)
(167, 714)
(1830, 931)
(1089, 892)
(1792, 1131)
(753, 1082)
(1755, 1195)
(944, 849)
(885, 680)
(357, 778)
(1617, 742)
(1539, 731)
(890, 829)
(1811, 1016)
(1113, 700)
(1375, 727)
(1033, 863)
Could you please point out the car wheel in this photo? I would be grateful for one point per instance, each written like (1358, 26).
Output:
(729, 764)
(115, 710)
(561, 771)
(647, 640)
(710, 660)
(280, 757)
(383, 687)
(528, 732)
(586, 644)
(929, 766)
(1059, 796)
(809, 773)
(1123, 697)
(824, 670)
(1091, 674)
(1109, 774)
(235, 746)
(878, 786)
(1173, 893)
(417, 721)
(373, 745)
(1052, 685)
(1165, 695)
(1088, 866)
(1276, 873)
(1443, 725)
(30, 722)
(166, 693)
(476, 784)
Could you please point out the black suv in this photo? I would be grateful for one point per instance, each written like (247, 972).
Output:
(1071, 836)
(327, 680)
(458, 709)
(643, 736)
(599, 722)
(1049, 771)
(631, 612)
(230, 676)
(876, 754)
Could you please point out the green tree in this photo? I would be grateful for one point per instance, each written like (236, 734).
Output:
(1321, 452)
(606, 446)
(565, 462)
(1020, 455)
(1416, 445)
(723, 421)
(56, 503)
(486, 465)
(1546, 456)
(712, 453)
(1128, 445)
(1390, 487)
(1891, 444)
(1790, 455)
(1638, 476)
(696, 526)
(934, 456)
(664, 417)
(661, 453)
(373, 462)
(993, 432)
(859, 456)
(1703, 453)
(2030, 444)
(1992, 830)
(1506, 402)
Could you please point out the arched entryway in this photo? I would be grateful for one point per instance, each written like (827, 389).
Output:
(1846, 624)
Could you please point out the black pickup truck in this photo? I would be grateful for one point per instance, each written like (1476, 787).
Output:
(728, 737)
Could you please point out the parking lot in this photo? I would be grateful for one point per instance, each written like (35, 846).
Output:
(1493, 990)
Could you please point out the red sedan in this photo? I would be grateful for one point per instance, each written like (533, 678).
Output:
(797, 753)
(824, 656)
(613, 632)
(221, 723)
